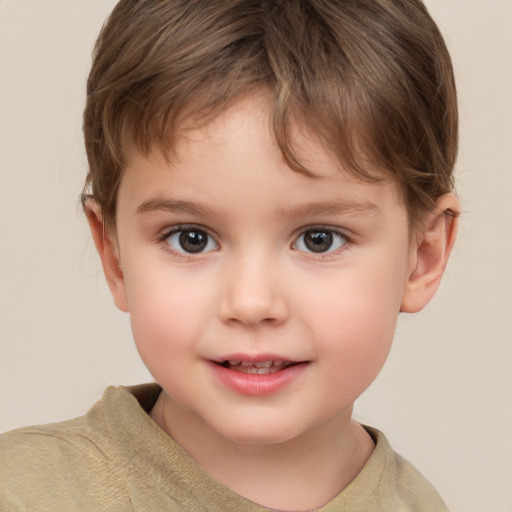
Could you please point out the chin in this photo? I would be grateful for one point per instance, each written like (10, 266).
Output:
(261, 434)
(261, 439)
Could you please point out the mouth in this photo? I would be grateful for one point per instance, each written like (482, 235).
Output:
(259, 375)
(256, 368)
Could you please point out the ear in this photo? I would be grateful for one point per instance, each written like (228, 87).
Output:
(429, 254)
(109, 254)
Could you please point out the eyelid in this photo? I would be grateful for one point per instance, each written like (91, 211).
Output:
(168, 231)
(324, 227)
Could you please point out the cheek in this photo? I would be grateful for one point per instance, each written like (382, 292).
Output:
(358, 302)
(165, 323)
(356, 321)
(360, 333)
(356, 352)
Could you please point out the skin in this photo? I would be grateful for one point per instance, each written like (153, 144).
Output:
(258, 290)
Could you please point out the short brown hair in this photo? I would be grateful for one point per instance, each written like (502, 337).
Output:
(371, 78)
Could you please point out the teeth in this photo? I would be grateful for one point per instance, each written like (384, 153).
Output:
(266, 364)
(255, 371)
(248, 364)
(259, 368)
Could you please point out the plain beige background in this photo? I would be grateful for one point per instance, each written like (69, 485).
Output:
(445, 397)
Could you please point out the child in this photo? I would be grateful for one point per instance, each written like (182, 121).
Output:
(269, 186)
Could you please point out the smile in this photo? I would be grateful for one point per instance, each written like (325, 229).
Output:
(265, 376)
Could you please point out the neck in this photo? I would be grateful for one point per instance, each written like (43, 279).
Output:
(300, 474)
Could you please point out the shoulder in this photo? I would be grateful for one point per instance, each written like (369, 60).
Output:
(387, 483)
(402, 484)
(38, 463)
(31, 449)
(51, 446)
(61, 466)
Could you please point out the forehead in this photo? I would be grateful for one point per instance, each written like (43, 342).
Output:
(235, 156)
(249, 123)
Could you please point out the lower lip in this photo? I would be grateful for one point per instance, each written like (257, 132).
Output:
(255, 384)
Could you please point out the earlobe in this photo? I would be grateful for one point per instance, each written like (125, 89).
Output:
(108, 253)
(430, 254)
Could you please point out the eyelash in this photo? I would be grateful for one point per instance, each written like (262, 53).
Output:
(343, 240)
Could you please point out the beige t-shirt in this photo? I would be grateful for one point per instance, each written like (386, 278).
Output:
(116, 459)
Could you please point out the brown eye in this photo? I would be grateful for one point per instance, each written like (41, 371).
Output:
(191, 241)
(320, 241)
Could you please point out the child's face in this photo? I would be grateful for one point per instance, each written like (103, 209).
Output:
(229, 255)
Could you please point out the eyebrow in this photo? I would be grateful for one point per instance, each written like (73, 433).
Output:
(175, 206)
(365, 208)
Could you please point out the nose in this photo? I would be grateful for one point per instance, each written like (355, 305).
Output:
(254, 293)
